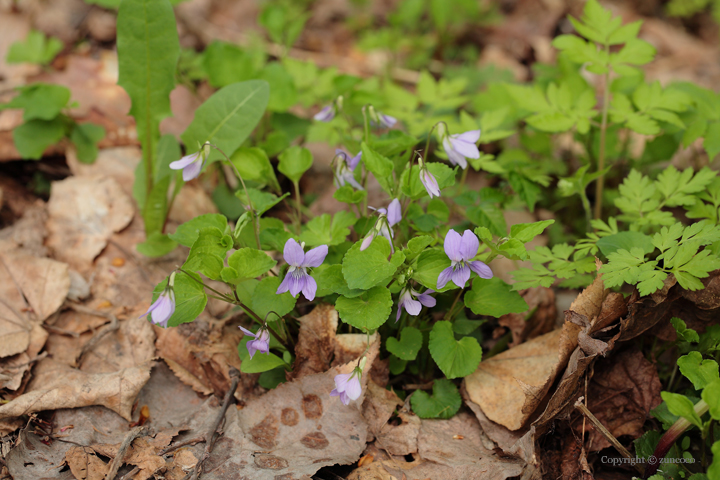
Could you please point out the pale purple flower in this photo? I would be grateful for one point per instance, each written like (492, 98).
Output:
(326, 114)
(387, 120)
(297, 279)
(344, 168)
(411, 305)
(461, 250)
(191, 165)
(347, 386)
(461, 146)
(163, 308)
(260, 344)
(428, 180)
(386, 220)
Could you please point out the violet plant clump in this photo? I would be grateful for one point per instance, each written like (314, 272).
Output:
(444, 218)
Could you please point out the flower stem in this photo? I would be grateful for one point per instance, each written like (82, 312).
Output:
(449, 315)
(601, 155)
(298, 207)
(256, 219)
(462, 180)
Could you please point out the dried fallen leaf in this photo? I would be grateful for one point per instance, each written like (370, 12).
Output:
(509, 386)
(83, 213)
(316, 341)
(541, 301)
(58, 386)
(85, 465)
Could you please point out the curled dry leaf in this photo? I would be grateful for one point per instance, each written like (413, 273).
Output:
(58, 386)
(621, 394)
(83, 213)
(85, 464)
(509, 386)
(316, 341)
(541, 301)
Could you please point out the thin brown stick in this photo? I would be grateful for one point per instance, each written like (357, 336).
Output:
(118, 460)
(175, 446)
(606, 433)
(210, 435)
(101, 333)
(130, 474)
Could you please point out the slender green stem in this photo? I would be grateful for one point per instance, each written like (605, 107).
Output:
(462, 180)
(256, 219)
(450, 313)
(226, 297)
(601, 155)
(298, 207)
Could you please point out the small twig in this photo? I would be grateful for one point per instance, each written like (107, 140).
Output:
(100, 333)
(606, 433)
(210, 435)
(175, 446)
(130, 474)
(118, 460)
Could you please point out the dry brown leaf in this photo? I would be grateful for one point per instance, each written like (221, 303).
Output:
(509, 386)
(400, 439)
(621, 394)
(316, 341)
(130, 345)
(33, 459)
(294, 430)
(188, 378)
(85, 465)
(378, 407)
(12, 369)
(119, 163)
(44, 283)
(58, 386)
(83, 214)
(541, 300)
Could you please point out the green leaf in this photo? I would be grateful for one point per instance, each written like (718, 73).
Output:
(265, 300)
(711, 395)
(455, 358)
(261, 362)
(682, 406)
(367, 268)
(444, 402)
(190, 298)
(408, 346)
(493, 297)
(525, 188)
(684, 333)
(412, 186)
(40, 100)
(321, 231)
(526, 232)
(626, 241)
(253, 164)
(85, 137)
(294, 162)
(283, 94)
(156, 205)
(330, 280)
(347, 194)
(368, 311)
(246, 263)
(156, 245)
(261, 201)
(36, 48)
(419, 243)
(711, 144)
(207, 254)
(227, 118)
(379, 166)
(488, 215)
(700, 372)
(188, 232)
(34, 137)
(148, 50)
(429, 265)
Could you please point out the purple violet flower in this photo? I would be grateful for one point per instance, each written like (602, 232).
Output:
(164, 307)
(297, 279)
(411, 305)
(191, 165)
(428, 180)
(344, 168)
(326, 114)
(348, 386)
(387, 219)
(386, 120)
(461, 146)
(461, 250)
(260, 344)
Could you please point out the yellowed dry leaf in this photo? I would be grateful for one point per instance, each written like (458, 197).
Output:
(56, 386)
(83, 213)
(187, 378)
(316, 341)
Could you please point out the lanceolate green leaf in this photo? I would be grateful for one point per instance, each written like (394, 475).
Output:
(148, 51)
(228, 117)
